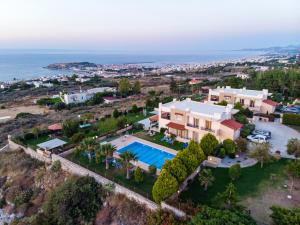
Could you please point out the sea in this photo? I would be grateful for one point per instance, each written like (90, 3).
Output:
(30, 64)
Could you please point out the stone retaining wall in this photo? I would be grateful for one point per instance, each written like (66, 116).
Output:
(14, 146)
(76, 169)
(81, 171)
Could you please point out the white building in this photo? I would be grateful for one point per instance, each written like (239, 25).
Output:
(243, 76)
(83, 96)
(255, 100)
(191, 120)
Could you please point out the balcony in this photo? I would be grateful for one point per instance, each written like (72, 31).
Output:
(192, 125)
(165, 115)
(208, 130)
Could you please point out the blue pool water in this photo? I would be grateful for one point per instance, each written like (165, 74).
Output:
(148, 154)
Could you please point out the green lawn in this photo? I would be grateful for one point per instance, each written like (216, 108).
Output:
(116, 175)
(110, 125)
(157, 139)
(251, 182)
(32, 143)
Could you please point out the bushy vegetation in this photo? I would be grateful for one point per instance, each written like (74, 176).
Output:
(75, 202)
(291, 119)
(235, 171)
(230, 147)
(208, 143)
(293, 147)
(283, 216)
(176, 170)
(48, 101)
(247, 129)
(211, 216)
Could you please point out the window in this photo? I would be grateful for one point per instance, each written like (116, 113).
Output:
(227, 98)
(196, 122)
(178, 117)
(242, 101)
(251, 103)
(207, 125)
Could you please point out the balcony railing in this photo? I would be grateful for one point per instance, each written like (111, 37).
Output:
(192, 125)
(208, 129)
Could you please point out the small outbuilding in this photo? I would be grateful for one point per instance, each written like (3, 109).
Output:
(50, 146)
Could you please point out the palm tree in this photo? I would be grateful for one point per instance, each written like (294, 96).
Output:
(261, 153)
(126, 157)
(89, 145)
(206, 178)
(107, 150)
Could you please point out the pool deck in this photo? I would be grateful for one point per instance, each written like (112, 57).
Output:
(128, 139)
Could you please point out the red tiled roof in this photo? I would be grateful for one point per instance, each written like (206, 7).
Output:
(176, 126)
(154, 118)
(270, 102)
(55, 127)
(232, 124)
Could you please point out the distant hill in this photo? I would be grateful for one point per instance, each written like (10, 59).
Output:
(67, 66)
(290, 49)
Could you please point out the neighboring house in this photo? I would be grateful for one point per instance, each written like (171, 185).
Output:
(191, 120)
(83, 96)
(243, 76)
(110, 100)
(268, 106)
(256, 101)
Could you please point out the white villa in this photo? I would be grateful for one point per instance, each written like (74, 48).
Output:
(191, 120)
(256, 101)
(83, 96)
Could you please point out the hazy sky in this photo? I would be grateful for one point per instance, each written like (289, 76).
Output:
(187, 26)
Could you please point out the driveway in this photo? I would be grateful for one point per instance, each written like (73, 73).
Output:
(280, 136)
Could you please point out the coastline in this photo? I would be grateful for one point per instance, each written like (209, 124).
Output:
(35, 69)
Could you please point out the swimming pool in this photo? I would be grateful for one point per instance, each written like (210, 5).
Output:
(148, 154)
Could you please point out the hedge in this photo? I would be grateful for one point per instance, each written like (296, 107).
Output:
(291, 119)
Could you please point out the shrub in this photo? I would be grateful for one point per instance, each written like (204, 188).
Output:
(116, 113)
(70, 127)
(78, 137)
(208, 143)
(283, 216)
(222, 153)
(162, 130)
(138, 175)
(176, 168)
(241, 144)
(248, 113)
(134, 109)
(291, 119)
(74, 202)
(211, 216)
(234, 171)
(241, 118)
(230, 147)
(247, 129)
(293, 146)
(23, 197)
(164, 186)
(56, 166)
(23, 115)
(152, 169)
(59, 106)
(2, 203)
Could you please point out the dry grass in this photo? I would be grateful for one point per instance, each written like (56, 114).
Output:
(259, 205)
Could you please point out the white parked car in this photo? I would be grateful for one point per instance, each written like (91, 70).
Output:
(262, 132)
(258, 138)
